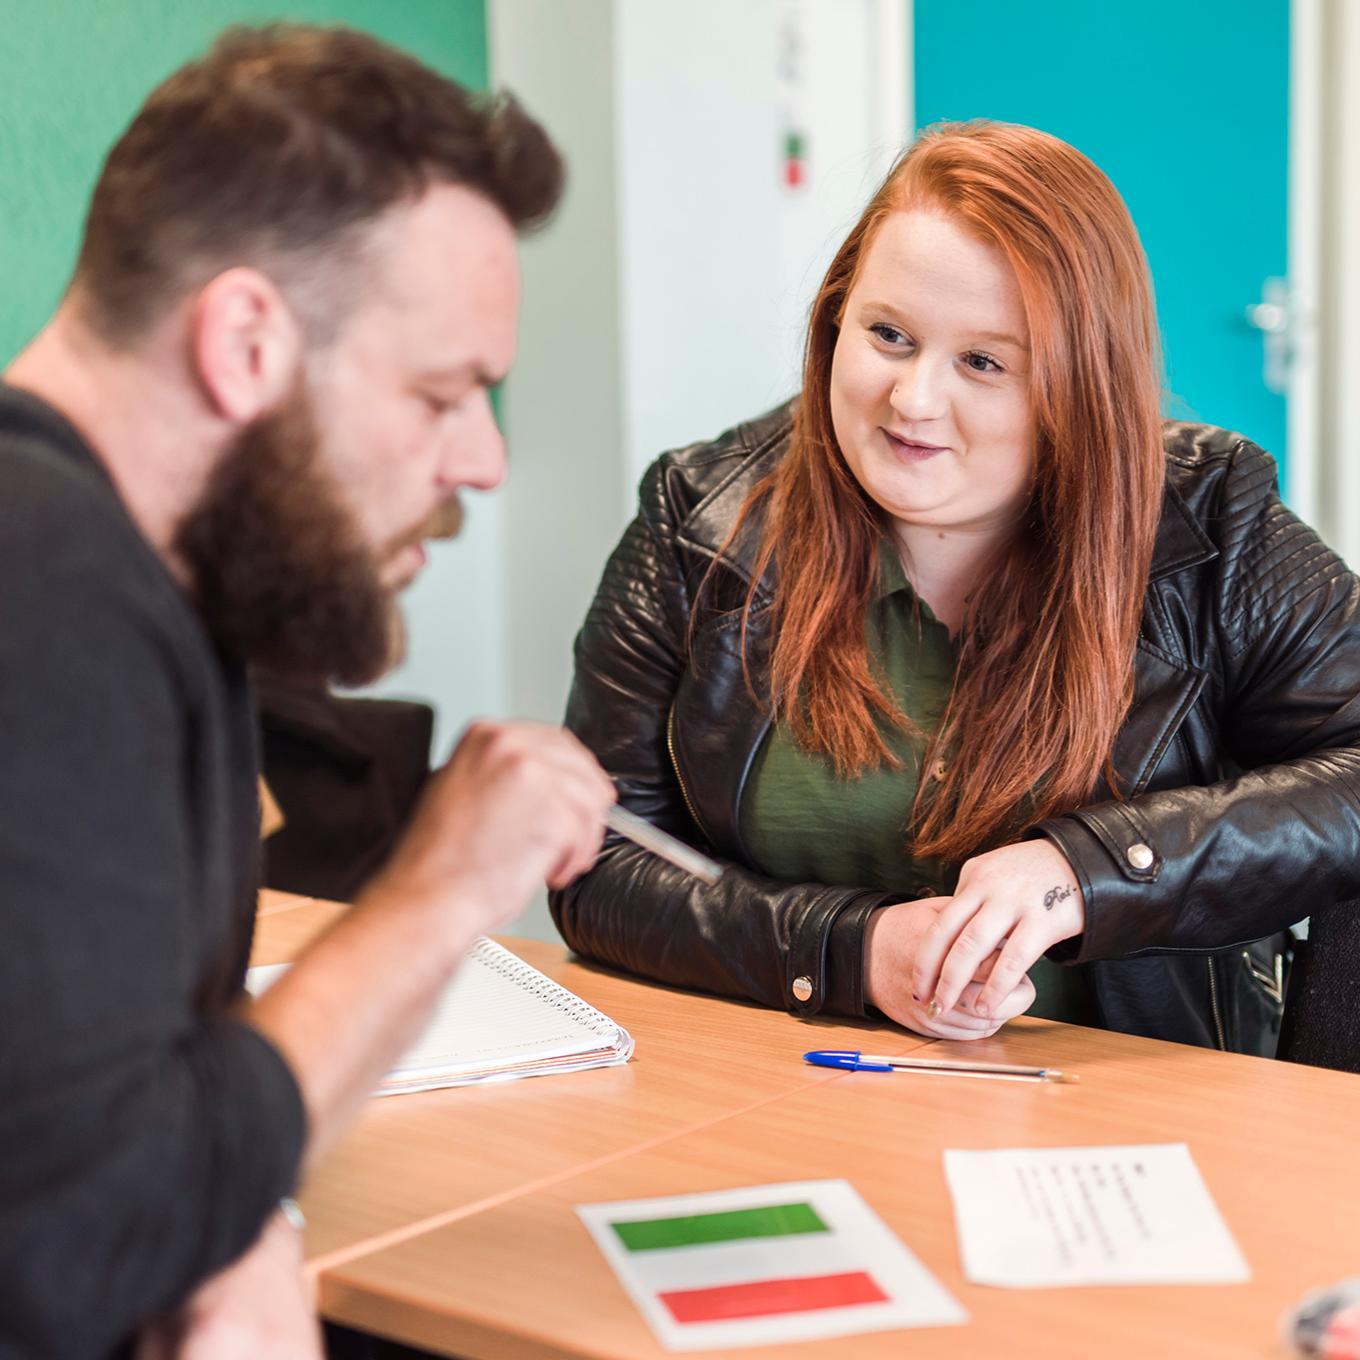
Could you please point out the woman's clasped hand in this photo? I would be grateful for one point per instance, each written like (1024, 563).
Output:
(958, 967)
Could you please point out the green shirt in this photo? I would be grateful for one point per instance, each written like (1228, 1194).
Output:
(803, 824)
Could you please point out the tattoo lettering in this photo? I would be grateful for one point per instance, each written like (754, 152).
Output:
(1055, 895)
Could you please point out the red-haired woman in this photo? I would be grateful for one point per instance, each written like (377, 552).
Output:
(980, 676)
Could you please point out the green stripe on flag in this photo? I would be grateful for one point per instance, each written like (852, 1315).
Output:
(775, 1220)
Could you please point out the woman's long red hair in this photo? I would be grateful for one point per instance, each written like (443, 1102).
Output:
(1045, 672)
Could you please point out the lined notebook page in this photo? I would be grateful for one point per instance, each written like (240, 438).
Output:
(498, 1018)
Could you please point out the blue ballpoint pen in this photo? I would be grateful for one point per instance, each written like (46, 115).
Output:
(852, 1060)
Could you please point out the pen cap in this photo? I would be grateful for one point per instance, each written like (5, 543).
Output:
(1326, 1323)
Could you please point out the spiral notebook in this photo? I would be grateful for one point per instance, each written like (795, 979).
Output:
(499, 1018)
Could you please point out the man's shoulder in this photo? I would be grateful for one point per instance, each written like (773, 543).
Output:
(62, 523)
(51, 496)
(75, 573)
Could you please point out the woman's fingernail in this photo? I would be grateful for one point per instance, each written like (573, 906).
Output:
(933, 1010)
(981, 1011)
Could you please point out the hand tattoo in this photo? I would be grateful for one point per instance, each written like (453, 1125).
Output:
(1055, 895)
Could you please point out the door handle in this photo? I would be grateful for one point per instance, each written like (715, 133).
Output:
(1272, 317)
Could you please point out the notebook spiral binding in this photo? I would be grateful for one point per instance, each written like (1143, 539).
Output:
(491, 955)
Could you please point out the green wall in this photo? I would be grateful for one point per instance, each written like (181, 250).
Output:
(73, 72)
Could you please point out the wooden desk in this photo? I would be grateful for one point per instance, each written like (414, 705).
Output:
(514, 1274)
(435, 1155)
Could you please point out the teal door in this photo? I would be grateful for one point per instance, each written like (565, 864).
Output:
(1186, 108)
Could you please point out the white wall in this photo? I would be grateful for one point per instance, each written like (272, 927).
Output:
(852, 83)
(568, 496)
(720, 259)
(697, 141)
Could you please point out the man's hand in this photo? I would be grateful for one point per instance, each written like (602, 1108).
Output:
(892, 942)
(1018, 901)
(258, 1308)
(517, 804)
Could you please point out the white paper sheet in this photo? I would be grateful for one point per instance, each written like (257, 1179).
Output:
(1031, 1218)
(856, 1241)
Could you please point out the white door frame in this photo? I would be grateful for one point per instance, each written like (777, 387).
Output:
(1308, 83)
(1335, 203)
(894, 25)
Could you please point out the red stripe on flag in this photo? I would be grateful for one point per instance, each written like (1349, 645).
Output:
(761, 1298)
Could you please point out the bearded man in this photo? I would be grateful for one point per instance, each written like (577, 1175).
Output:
(297, 283)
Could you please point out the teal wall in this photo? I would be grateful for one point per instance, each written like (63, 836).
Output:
(1186, 107)
(73, 72)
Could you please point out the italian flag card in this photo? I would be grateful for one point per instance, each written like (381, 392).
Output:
(765, 1265)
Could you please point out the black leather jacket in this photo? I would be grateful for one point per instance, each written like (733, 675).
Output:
(1241, 753)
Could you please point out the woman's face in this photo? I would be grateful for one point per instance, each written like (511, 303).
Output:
(930, 378)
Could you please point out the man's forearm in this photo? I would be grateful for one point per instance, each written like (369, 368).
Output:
(357, 998)
(261, 1305)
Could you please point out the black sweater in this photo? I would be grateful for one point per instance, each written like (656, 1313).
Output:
(145, 1132)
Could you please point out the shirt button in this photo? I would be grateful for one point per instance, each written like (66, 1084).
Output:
(939, 770)
(1140, 856)
(925, 890)
(802, 988)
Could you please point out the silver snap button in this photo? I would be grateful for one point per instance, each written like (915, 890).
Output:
(802, 988)
(1140, 856)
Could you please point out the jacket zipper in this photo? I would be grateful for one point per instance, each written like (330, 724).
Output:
(675, 765)
(1213, 1006)
(1272, 984)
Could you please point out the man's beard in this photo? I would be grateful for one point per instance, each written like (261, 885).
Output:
(282, 577)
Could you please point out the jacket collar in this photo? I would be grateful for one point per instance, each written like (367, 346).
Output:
(1181, 542)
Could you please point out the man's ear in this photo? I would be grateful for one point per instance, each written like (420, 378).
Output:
(246, 344)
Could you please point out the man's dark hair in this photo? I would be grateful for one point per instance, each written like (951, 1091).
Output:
(276, 149)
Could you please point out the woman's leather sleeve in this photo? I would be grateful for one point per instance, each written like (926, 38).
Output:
(797, 946)
(1208, 867)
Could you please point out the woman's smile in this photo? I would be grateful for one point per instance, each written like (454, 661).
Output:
(911, 450)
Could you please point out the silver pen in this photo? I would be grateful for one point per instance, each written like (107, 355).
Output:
(661, 843)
